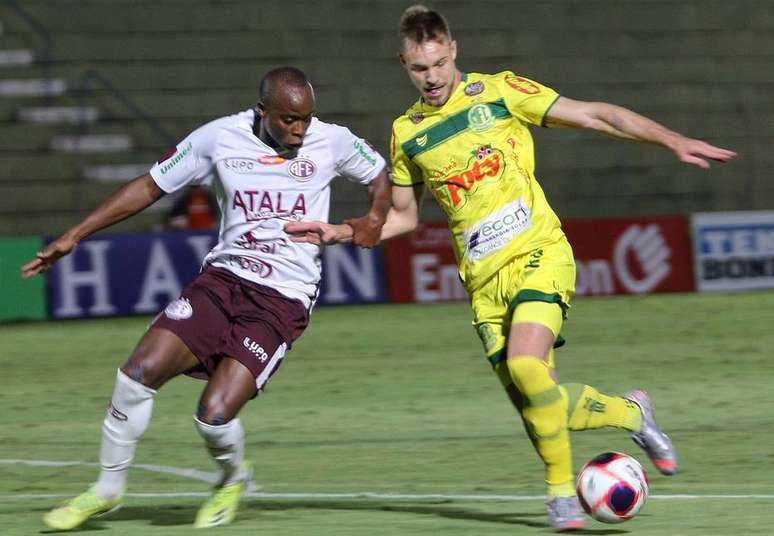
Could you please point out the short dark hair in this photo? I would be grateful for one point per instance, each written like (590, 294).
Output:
(420, 23)
(281, 77)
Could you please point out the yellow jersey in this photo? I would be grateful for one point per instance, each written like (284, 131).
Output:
(475, 154)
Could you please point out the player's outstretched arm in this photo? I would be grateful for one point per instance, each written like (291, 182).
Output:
(401, 218)
(367, 229)
(128, 200)
(624, 123)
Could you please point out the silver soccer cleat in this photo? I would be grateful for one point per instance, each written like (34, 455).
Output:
(650, 438)
(565, 513)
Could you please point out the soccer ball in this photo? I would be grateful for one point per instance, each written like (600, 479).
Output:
(612, 487)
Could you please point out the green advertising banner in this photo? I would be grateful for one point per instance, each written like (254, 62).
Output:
(20, 299)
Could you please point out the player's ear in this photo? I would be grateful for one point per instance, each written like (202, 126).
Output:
(453, 49)
(402, 59)
(260, 109)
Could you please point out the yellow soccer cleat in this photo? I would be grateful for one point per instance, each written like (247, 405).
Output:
(78, 510)
(221, 507)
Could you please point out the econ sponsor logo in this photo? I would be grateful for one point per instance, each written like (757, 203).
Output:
(366, 151)
(171, 158)
(523, 85)
(302, 169)
(485, 165)
(496, 230)
(474, 88)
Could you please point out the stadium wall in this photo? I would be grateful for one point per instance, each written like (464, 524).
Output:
(703, 67)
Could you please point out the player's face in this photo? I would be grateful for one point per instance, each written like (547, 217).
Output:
(285, 119)
(431, 68)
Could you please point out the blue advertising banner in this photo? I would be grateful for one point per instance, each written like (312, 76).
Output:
(139, 274)
(733, 250)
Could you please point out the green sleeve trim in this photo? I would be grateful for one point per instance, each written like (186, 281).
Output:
(529, 294)
(545, 114)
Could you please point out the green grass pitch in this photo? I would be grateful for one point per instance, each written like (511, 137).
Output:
(398, 400)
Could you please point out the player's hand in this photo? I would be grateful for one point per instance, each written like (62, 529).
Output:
(699, 153)
(317, 232)
(48, 256)
(366, 230)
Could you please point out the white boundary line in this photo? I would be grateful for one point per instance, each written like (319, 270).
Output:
(211, 478)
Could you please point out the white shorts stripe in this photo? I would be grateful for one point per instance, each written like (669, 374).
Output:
(271, 366)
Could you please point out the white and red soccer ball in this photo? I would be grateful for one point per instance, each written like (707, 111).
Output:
(612, 487)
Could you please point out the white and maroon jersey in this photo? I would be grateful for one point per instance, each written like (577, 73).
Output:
(259, 191)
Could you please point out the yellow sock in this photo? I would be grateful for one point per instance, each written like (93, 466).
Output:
(545, 414)
(588, 409)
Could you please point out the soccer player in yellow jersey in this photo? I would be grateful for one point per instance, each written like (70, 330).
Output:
(466, 140)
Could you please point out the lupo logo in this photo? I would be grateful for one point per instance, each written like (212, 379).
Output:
(256, 349)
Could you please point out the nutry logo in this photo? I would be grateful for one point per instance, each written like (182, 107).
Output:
(174, 158)
(496, 230)
(486, 164)
(365, 151)
(256, 349)
(302, 169)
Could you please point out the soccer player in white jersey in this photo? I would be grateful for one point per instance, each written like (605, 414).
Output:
(235, 322)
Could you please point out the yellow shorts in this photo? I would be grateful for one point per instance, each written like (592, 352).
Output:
(546, 274)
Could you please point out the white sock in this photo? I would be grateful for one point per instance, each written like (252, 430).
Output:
(226, 445)
(127, 419)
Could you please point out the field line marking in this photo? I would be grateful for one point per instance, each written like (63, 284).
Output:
(212, 478)
(374, 496)
(193, 474)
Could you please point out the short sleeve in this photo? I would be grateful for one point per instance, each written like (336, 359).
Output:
(190, 162)
(404, 171)
(526, 99)
(355, 159)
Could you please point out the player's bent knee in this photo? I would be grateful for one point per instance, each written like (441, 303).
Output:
(214, 411)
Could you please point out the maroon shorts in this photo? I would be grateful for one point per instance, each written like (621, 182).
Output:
(221, 315)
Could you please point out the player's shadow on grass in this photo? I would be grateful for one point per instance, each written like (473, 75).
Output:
(440, 509)
(177, 515)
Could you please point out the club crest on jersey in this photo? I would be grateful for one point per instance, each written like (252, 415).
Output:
(302, 169)
(522, 84)
(180, 309)
(474, 88)
(417, 117)
(486, 165)
(480, 117)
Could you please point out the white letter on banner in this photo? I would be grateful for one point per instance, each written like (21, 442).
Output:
(424, 277)
(160, 278)
(200, 245)
(451, 286)
(97, 278)
(338, 262)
